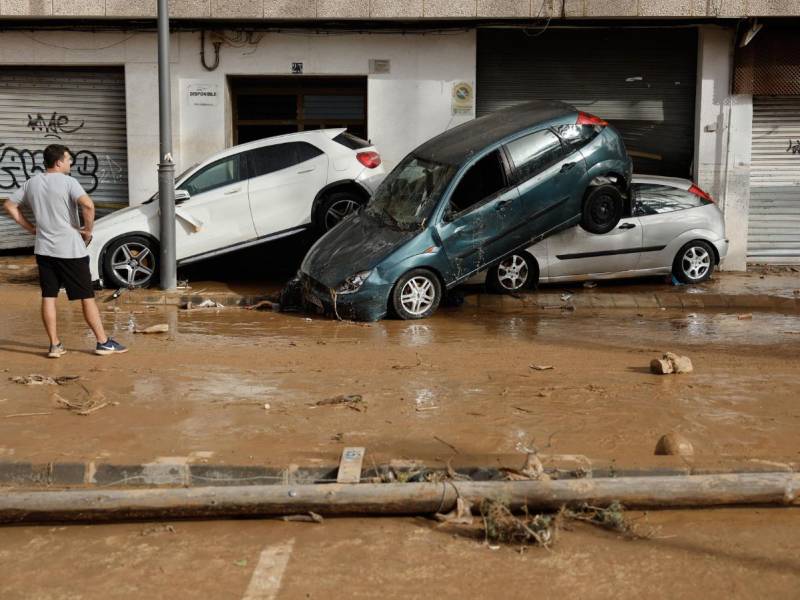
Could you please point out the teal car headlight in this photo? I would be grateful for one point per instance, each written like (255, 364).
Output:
(353, 283)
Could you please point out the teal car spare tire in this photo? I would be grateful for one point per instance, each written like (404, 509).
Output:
(602, 209)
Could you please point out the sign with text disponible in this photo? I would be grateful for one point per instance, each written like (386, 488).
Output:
(203, 94)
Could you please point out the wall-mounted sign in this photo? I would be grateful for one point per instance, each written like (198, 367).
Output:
(297, 68)
(463, 99)
(380, 66)
(203, 94)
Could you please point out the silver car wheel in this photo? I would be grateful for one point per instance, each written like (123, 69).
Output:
(417, 295)
(512, 273)
(133, 263)
(338, 211)
(695, 262)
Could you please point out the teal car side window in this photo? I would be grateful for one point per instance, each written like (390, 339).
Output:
(481, 182)
(535, 152)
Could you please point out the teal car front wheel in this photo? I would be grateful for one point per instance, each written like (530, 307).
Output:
(416, 295)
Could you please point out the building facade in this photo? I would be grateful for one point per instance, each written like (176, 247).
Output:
(691, 84)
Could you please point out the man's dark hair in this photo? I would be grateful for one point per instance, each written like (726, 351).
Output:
(54, 153)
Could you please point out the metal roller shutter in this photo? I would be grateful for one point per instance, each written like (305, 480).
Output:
(641, 80)
(82, 109)
(774, 222)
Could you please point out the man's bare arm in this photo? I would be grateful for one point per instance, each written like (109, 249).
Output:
(87, 212)
(12, 208)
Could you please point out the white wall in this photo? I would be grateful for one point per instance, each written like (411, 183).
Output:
(405, 107)
(722, 138)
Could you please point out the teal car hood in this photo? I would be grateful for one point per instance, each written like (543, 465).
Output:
(356, 244)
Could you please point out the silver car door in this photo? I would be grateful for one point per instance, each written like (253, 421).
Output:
(665, 212)
(575, 251)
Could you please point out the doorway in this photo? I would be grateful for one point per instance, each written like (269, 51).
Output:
(267, 106)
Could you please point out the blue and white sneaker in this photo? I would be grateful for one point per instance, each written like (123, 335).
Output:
(109, 347)
(56, 350)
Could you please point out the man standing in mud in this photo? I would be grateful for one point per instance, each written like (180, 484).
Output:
(55, 198)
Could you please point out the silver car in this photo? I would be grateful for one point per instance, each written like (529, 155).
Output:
(675, 227)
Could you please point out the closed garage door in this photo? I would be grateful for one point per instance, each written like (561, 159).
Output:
(641, 80)
(82, 109)
(774, 227)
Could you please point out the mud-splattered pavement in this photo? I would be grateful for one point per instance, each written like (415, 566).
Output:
(708, 555)
(240, 387)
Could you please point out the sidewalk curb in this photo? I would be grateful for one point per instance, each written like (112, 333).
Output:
(184, 474)
(610, 300)
(528, 302)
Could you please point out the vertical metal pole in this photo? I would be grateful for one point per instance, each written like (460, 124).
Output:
(166, 168)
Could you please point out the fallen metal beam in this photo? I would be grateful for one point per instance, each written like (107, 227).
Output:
(395, 498)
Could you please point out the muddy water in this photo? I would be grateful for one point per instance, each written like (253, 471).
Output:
(243, 385)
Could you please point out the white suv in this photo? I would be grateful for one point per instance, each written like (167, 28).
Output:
(243, 196)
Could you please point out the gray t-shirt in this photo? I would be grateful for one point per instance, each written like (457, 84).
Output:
(53, 198)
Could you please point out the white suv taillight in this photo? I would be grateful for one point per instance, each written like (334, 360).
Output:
(370, 159)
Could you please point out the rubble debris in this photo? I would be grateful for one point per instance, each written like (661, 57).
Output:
(291, 296)
(353, 401)
(590, 284)
(157, 529)
(264, 305)
(674, 444)
(745, 317)
(160, 328)
(82, 407)
(36, 379)
(671, 363)
(612, 517)
(532, 470)
(460, 515)
(33, 414)
(500, 525)
(309, 517)
(542, 367)
(207, 303)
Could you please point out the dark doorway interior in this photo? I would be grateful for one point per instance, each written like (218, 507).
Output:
(267, 106)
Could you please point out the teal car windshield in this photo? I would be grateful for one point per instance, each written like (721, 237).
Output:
(409, 194)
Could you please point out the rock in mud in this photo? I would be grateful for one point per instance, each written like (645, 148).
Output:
(671, 363)
(674, 444)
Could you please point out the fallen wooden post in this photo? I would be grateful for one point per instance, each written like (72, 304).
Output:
(396, 498)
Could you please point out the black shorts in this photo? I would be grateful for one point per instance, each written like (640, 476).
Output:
(70, 273)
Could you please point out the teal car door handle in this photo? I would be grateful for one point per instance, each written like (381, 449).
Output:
(502, 204)
(566, 167)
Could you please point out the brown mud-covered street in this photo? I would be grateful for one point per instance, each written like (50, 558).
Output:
(239, 386)
(708, 555)
(232, 386)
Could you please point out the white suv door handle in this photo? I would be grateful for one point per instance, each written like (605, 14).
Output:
(305, 171)
(230, 192)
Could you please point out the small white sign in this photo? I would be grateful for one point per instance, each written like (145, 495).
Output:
(203, 94)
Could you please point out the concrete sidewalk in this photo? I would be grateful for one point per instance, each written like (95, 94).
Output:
(764, 288)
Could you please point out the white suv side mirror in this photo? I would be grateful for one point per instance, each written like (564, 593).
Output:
(181, 196)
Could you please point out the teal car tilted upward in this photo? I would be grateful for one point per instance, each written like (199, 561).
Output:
(462, 202)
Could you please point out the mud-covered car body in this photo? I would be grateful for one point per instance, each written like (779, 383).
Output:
(462, 201)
